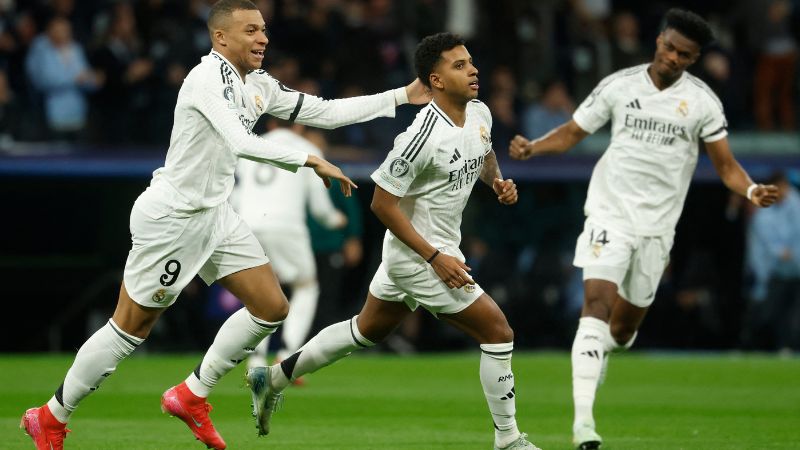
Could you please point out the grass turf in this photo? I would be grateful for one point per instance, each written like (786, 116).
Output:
(371, 401)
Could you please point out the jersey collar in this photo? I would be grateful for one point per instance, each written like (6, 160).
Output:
(218, 55)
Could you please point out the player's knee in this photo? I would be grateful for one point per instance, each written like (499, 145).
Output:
(501, 334)
(275, 311)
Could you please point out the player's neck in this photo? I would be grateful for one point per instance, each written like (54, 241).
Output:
(660, 82)
(456, 110)
(241, 72)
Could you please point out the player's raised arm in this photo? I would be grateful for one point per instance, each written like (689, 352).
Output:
(734, 176)
(450, 269)
(557, 140)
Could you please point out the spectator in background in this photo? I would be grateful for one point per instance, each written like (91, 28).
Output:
(7, 111)
(717, 71)
(58, 70)
(626, 46)
(774, 260)
(17, 41)
(553, 108)
(503, 104)
(123, 103)
(776, 66)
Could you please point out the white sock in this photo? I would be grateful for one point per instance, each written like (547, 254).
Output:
(587, 359)
(301, 317)
(611, 346)
(497, 380)
(328, 346)
(96, 360)
(236, 338)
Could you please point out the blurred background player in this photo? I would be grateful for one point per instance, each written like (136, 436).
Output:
(274, 203)
(659, 115)
(422, 188)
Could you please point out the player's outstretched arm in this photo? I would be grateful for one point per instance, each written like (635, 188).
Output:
(326, 171)
(557, 140)
(451, 270)
(734, 176)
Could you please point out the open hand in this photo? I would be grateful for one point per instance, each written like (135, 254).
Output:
(764, 195)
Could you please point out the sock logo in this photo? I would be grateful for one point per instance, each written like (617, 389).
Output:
(505, 378)
(591, 354)
(508, 396)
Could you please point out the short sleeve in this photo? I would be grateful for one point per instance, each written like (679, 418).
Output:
(714, 125)
(595, 111)
(409, 156)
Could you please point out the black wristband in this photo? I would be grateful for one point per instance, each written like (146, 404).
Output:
(434, 255)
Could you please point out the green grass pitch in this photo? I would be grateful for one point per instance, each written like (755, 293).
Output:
(372, 401)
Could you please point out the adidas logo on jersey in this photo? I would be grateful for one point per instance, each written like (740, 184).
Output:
(634, 104)
(456, 156)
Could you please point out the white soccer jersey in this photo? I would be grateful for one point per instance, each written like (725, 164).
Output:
(214, 117)
(433, 166)
(273, 199)
(639, 184)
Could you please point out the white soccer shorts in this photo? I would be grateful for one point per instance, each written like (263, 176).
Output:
(421, 286)
(634, 263)
(169, 251)
(290, 252)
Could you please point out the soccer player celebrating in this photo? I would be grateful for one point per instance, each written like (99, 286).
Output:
(659, 114)
(183, 225)
(422, 188)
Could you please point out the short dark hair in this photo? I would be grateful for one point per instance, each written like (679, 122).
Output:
(223, 10)
(429, 52)
(690, 25)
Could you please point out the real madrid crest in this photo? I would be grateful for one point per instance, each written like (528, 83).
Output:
(485, 138)
(159, 296)
(469, 288)
(683, 108)
(259, 103)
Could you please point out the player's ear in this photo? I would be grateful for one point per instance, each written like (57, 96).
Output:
(436, 81)
(219, 37)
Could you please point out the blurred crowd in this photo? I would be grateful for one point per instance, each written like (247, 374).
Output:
(108, 71)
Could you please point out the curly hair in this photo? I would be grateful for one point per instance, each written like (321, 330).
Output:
(690, 25)
(429, 52)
